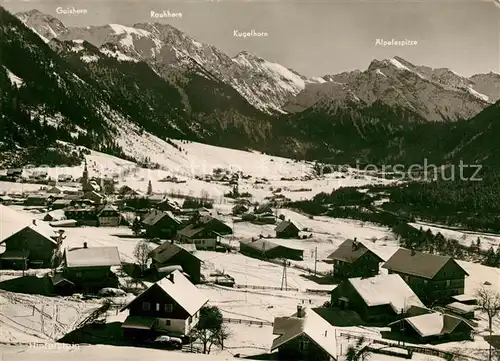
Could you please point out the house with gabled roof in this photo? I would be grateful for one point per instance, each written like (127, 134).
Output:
(433, 327)
(354, 259)
(58, 189)
(167, 205)
(434, 278)
(286, 229)
(108, 216)
(170, 306)
(200, 236)
(267, 249)
(263, 208)
(376, 299)
(172, 254)
(161, 224)
(215, 225)
(38, 200)
(31, 246)
(89, 268)
(304, 336)
(93, 196)
(60, 203)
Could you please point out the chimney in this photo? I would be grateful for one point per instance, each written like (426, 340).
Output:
(172, 241)
(85, 245)
(171, 277)
(300, 311)
(412, 252)
(326, 333)
(34, 222)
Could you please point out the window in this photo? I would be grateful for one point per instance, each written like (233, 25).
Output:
(168, 323)
(303, 344)
(190, 320)
(146, 306)
(78, 274)
(169, 307)
(448, 283)
(157, 307)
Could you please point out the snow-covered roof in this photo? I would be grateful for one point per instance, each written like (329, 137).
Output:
(92, 257)
(9, 226)
(386, 290)
(351, 250)
(416, 263)
(181, 290)
(311, 324)
(12, 221)
(434, 324)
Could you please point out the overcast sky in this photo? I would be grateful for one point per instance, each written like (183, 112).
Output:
(317, 38)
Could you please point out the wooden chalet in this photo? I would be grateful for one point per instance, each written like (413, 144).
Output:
(31, 247)
(15, 173)
(171, 254)
(432, 327)
(171, 306)
(108, 216)
(57, 189)
(38, 200)
(159, 224)
(267, 249)
(168, 206)
(434, 278)
(86, 215)
(89, 268)
(200, 236)
(263, 208)
(304, 336)
(286, 229)
(60, 204)
(94, 197)
(354, 259)
(211, 223)
(376, 299)
(56, 215)
(239, 209)
(127, 191)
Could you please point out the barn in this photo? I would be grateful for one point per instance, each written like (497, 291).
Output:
(266, 249)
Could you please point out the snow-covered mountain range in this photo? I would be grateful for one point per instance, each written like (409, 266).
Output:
(266, 85)
(435, 94)
(116, 88)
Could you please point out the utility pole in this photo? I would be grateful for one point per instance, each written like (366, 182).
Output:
(284, 280)
(315, 260)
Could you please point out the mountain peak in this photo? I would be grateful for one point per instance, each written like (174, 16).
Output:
(247, 55)
(46, 26)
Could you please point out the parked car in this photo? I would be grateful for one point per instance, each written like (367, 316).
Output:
(168, 342)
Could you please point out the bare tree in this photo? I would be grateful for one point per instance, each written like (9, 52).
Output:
(488, 301)
(141, 254)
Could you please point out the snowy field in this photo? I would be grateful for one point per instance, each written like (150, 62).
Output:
(250, 271)
(34, 318)
(112, 353)
(52, 317)
(463, 237)
(24, 324)
(198, 159)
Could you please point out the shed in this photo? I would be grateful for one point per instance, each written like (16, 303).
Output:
(286, 229)
(266, 249)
